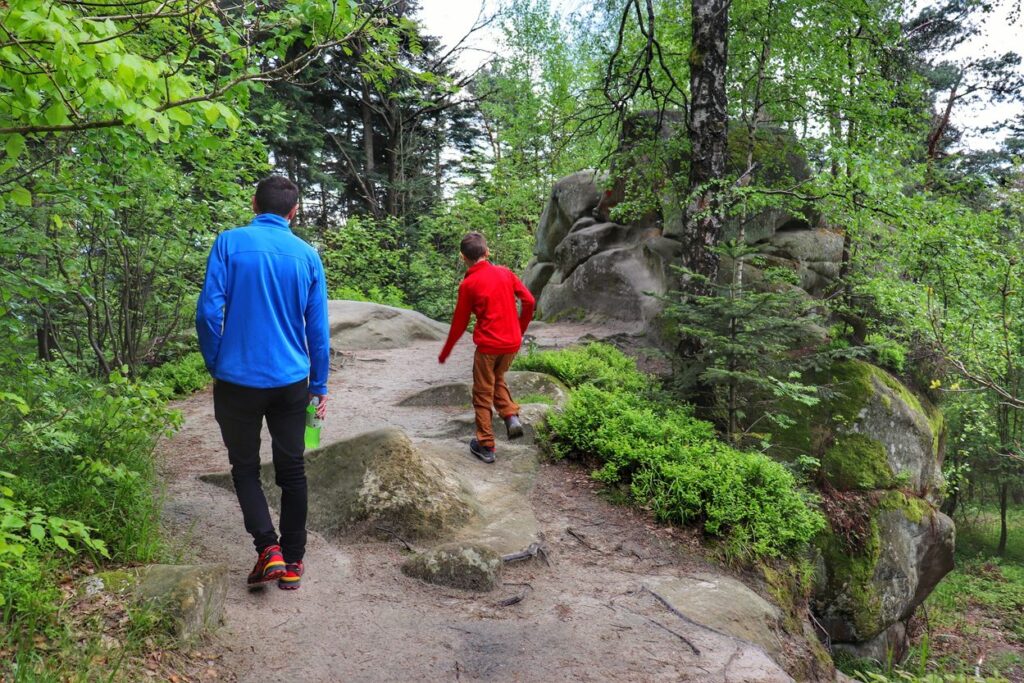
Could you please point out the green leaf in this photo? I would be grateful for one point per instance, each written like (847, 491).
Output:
(15, 145)
(37, 532)
(62, 543)
(180, 115)
(20, 196)
(56, 115)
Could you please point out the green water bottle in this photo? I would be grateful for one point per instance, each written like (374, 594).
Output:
(313, 424)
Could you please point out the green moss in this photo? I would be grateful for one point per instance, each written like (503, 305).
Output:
(850, 577)
(535, 398)
(857, 462)
(847, 388)
(117, 580)
(913, 508)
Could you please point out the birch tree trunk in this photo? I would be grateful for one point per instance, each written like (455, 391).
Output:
(708, 132)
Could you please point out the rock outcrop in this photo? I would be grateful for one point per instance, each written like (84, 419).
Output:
(580, 252)
(867, 590)
(880, 448)
(364, 325)
(880, 445)
(377, 478)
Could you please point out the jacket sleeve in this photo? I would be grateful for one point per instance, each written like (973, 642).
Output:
(460, 321)
(213, 300)
(526, 303)
(318, 331)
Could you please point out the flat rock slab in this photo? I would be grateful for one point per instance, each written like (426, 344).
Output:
(364, 325)
(464, 426)
(503, 518)
(521, 383)
(725, 605)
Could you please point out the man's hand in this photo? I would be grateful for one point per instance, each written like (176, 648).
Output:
(321, 409)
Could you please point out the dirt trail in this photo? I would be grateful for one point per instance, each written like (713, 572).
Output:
(358, 618)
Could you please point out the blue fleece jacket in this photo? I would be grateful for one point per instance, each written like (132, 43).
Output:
(262, 314)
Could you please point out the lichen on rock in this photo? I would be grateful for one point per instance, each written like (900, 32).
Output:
(459, 565)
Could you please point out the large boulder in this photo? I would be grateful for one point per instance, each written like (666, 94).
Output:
(620, 283)
(364, 325)
(572, 198)
(377, 478)
(869, 431)
(880, 449)
(866, 591)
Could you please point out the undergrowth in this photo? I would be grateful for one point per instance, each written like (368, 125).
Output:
(672, 462)
(181, 377)
(77, 489)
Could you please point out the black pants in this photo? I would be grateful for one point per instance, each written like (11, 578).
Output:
(240, 411)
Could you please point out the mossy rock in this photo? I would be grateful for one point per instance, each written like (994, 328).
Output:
(869, 431)
(191, 597)
(526, 382)
(459, 565)
(188, 600)
(857, 462)
(377, 477)
(862, 592)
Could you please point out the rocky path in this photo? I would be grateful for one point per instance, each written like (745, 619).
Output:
(593, 615)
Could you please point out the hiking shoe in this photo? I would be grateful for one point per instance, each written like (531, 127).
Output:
(269, 566)
(513, 427)
(292, 579)
(485, 453)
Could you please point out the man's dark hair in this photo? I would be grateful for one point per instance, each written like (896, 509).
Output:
(473, 246)
(276, 194)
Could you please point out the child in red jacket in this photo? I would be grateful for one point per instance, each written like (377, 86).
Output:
(489, 292)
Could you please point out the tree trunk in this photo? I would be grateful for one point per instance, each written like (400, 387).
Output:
(708, 123)
(1003, 501)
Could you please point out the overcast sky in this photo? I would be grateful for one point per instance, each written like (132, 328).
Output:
(1001, 32)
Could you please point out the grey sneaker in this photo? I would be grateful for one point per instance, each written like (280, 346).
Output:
(513, 427)
(485, 453)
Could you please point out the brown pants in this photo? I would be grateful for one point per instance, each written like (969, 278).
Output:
(489, 389)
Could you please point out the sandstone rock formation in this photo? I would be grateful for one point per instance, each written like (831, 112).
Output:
(880, 448)
(377, 478)
(586, 267)
(880, 445)
(364, 325)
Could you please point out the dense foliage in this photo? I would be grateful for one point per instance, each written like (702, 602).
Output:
(672, 463)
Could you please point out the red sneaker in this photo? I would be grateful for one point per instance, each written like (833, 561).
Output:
(269, 565)
(292, 579)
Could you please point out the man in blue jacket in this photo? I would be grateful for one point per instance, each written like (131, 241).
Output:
(263, 331)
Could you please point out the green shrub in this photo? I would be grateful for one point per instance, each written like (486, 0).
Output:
(80, 452)
(183, 376)
(675, 466)
(673, 463)
(887, 352)
(599, 364)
